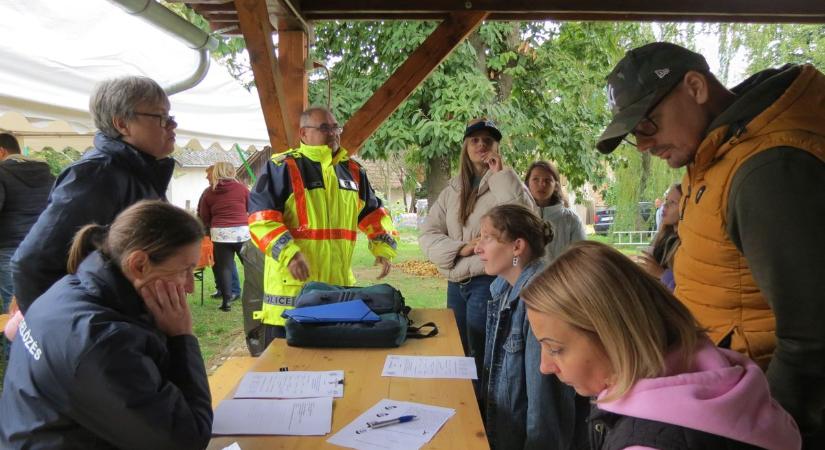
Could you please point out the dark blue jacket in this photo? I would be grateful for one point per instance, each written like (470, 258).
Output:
(24, 191)
(89, 370)
(524, 409)
(109, 178)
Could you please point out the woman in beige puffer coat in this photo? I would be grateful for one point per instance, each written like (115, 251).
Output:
(452, 227)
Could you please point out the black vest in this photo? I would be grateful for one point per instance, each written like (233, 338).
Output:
(610, 431)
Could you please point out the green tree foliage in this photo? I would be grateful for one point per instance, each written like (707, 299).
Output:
(771, 45)
(628, 190)
(543, 83)
(57, 159)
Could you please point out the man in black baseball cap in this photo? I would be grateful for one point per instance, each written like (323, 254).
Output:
(752, 251)
(640, 81)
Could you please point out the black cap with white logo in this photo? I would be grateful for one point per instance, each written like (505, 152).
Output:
(640, 80)
(483, 124)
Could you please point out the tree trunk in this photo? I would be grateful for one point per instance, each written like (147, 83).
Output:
(505, 82)
(387, 182)
(480, 48)
(438, 174)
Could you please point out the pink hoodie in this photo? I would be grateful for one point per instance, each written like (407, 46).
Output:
(726, 395)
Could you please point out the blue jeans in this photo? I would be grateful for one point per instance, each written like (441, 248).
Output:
(468, 300)
(6, 290)
(6, 286)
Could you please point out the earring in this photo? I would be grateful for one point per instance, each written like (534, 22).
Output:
(515, 261)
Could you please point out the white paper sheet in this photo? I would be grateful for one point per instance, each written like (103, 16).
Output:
(300, 417)
(233, 446)
(403, 436)
(430, 367)
(291, 384)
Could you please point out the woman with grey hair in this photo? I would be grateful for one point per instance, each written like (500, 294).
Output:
(129, 162)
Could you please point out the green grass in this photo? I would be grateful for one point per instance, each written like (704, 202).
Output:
(419, 292)
(214, 329)
(629, 250)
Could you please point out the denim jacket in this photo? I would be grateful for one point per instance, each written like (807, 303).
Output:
(523, 409)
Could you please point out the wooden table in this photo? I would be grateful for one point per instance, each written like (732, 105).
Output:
(364, 387)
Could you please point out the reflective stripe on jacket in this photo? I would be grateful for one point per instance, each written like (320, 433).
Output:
(310, 201)
(713, 278)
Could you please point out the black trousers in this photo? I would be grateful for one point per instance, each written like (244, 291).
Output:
(224, 253)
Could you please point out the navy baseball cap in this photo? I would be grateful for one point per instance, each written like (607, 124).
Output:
(483, 124)
(639, 81)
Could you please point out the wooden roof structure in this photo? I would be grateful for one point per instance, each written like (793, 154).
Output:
(258, 20)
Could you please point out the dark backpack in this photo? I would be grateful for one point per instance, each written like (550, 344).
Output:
(391, 331)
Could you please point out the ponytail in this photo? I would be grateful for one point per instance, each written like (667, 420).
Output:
(153, 226)
(517, 222)
(88, 239)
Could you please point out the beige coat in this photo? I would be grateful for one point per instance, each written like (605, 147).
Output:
(442, 235)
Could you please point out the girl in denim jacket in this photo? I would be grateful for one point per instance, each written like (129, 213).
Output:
(522, 408)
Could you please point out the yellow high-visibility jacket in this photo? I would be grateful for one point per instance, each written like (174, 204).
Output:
(309, 201)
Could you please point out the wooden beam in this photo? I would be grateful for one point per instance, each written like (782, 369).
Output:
(421, 62)
(643, 10)
(222, 17)
(581, 16)
(732, 7)
(753, 11)
(287, 20)
(292, 56)
(257, 32)
(202, 8)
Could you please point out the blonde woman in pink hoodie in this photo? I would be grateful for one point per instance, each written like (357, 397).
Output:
(615, 333)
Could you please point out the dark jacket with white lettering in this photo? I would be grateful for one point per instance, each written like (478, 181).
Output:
(111, 177)
(89, 370)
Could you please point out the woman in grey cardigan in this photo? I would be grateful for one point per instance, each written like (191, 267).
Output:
(544, 183)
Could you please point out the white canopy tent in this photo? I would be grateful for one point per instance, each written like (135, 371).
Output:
(53, 52)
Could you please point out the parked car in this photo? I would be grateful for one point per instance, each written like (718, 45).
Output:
(603, 220)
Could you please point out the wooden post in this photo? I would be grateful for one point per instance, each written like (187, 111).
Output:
(446, 37)
(253, 18)
(292, 56)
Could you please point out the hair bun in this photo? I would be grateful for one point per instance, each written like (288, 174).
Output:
(548, 233)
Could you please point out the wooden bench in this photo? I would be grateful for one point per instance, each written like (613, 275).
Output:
(227, 376)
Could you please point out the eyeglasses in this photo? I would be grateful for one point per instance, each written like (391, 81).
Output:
(327, 128)
(164, 120)
(645, 128)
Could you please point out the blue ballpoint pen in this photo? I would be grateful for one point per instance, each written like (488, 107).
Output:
(384, 423)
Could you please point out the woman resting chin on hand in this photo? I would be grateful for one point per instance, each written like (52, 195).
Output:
(106, 357)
